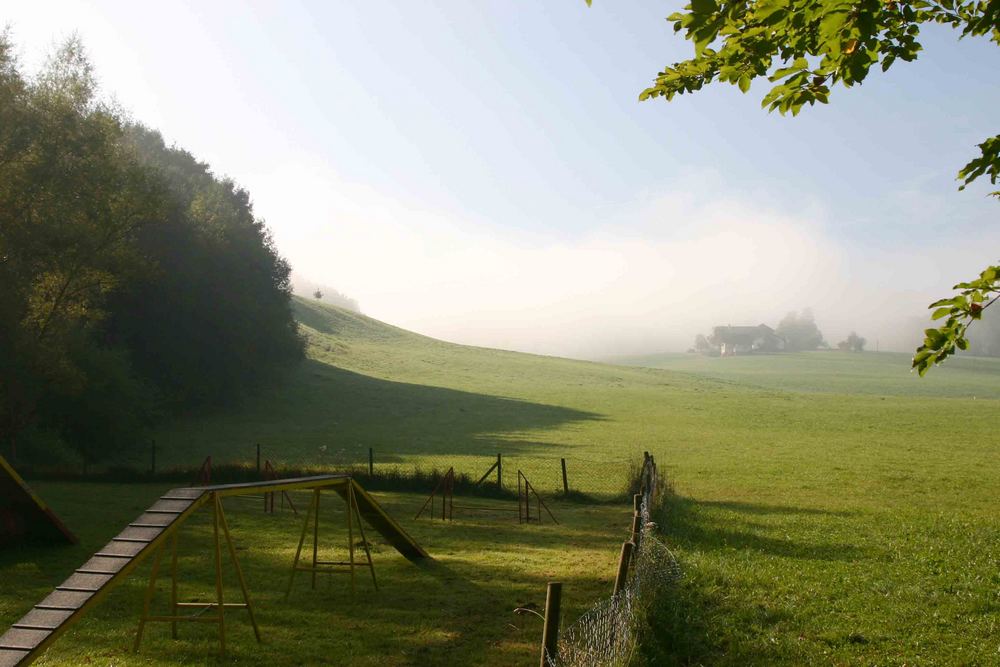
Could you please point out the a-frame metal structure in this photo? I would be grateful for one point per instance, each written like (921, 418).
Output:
(153, 533)
(24, 515)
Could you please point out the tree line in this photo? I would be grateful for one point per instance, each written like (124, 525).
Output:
(796, 332)
(134, 283)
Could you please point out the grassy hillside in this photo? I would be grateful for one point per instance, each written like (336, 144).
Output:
(832, 508)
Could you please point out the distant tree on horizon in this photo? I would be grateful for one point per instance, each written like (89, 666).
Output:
(800, 331)
(853, 343)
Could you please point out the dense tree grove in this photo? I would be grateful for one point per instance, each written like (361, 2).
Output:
(132, 280)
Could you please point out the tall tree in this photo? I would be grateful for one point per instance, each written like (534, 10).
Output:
(129, 273)
(211, 319)
(71, 202)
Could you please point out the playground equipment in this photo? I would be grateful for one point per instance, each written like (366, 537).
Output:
(445, 491)
(269, 474)
(24, 515)
(524, 493)
(156, 530)
(328, 565)
(204, 477)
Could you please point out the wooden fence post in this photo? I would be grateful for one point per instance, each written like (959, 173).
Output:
(565, 482)
(623, 562)
(550, 631)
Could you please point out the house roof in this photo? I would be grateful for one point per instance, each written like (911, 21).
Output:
(730, 333)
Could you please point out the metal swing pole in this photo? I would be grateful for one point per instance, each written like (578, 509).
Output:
(236, 565)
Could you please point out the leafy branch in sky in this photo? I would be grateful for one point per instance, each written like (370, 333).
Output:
(803, 48)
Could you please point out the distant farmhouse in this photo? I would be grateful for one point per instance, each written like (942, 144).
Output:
(743, 340)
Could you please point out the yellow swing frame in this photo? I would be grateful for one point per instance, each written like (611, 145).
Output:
(220, 605)
(316, 565)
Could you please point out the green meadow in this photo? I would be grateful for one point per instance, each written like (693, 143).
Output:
(829, 508)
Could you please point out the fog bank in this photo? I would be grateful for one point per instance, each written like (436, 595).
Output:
(676, 264)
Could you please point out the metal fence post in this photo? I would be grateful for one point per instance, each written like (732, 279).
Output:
(499, 471)
(550, 631)
(565, 482)
(371, 462)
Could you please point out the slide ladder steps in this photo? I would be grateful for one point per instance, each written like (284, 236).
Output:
(69, 598)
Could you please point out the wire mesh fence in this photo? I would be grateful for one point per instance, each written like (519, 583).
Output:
(487, 474)
(606, 635)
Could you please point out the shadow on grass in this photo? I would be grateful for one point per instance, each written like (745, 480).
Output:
(761, 509)
(705, 618)
(684, 629)
(328, 416)
(710, 526)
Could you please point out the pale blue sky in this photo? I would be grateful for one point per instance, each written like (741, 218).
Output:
(483, 172)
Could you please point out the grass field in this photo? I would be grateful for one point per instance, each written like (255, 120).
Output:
(831, 508)
(875, 373)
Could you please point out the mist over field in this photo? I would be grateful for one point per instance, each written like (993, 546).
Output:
(673, 265)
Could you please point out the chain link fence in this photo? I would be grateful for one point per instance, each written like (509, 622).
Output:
(607, 634)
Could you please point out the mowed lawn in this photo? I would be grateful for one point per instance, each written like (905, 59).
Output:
(454, 610)
(831, 508)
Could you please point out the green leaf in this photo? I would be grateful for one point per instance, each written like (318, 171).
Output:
(942, 312)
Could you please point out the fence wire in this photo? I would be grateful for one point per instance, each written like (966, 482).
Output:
(551, 475)
(606, 635)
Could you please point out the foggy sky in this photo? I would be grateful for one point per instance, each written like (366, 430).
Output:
(483, 173)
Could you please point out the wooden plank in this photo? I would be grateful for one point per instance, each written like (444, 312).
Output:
(129, 549)
(103, 564)
(64, 599)
(144, 534)
(49, 618)
(23, 640)
(89, 582)
(188, 492)
(170, 506)
(152, 519)
(11, 657)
